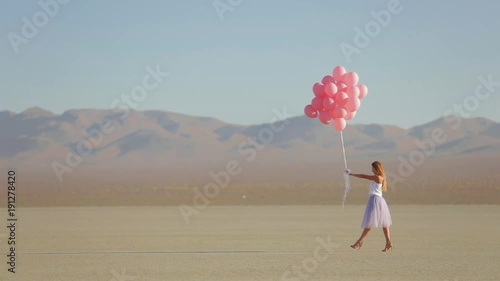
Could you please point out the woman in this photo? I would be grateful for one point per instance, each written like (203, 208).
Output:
(377, 213)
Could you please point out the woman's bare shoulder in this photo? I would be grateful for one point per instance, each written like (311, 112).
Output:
(379, 179)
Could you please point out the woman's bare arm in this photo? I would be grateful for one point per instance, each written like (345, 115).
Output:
(367, 177)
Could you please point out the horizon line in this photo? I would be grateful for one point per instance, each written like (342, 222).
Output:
(230, 123)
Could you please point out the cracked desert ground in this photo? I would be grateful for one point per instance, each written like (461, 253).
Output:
(431, 242)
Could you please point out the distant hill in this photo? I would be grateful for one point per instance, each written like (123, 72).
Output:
(155, 157)
(39, 137)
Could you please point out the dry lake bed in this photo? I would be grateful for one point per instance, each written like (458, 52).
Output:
(431, 242)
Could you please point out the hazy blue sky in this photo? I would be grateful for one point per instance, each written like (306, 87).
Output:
(262, 55)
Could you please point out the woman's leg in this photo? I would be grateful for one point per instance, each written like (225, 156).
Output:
(388, 243)
(363, 235)
(359, 243)
(387, 234)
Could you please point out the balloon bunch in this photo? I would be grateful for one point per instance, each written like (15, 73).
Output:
(337, 98)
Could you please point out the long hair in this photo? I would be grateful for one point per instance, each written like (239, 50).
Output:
(379, 170)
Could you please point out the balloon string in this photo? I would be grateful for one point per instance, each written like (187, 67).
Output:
(346, 176)
(343, 149)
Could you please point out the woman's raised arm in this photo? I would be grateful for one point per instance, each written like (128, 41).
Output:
(367, 177)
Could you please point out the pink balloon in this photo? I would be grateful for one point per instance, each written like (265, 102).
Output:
(328, 104)
(337, 98)
(325, 117)
(353, 104)
(319, 90)
(341, 87)
(338, 72)
(352, 92)
(317, 103)
(341, 98)
(363, 91)
(338, 112)
(327, 80)
(310, 111)
(331, 89)
(351, 79)
(339, 124)
(350, 115)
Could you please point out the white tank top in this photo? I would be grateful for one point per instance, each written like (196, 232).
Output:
(375, 188)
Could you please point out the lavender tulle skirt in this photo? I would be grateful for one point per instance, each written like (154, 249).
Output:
(377, 213)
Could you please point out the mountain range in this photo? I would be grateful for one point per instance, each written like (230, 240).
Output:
(103, 157)
(107, 138)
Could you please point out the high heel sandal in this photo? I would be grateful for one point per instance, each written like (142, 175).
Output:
(357, 245)
(388, 247)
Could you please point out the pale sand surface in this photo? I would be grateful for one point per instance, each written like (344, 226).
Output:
(252, 243)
